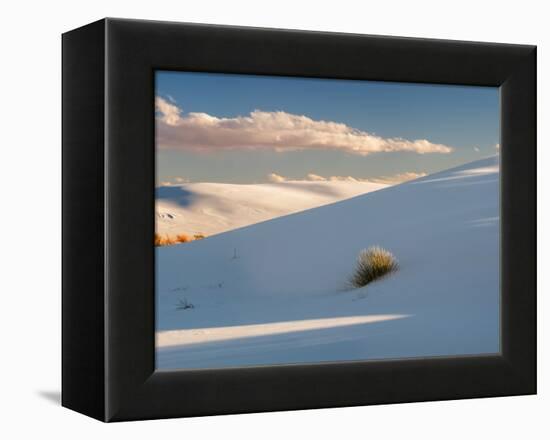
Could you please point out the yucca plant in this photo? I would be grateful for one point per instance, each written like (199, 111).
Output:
(372, 263)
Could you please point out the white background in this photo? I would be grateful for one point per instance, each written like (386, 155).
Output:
(31, 218)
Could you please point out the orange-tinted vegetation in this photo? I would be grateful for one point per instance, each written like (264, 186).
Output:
(167, 240)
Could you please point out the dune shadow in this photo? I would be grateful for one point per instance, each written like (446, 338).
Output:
(367, 341)
(300, 346)
(181, 196)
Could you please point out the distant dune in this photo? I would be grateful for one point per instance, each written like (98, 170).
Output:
(211, 208)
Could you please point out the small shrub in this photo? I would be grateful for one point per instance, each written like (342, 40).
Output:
(166, 240)
(182, 238)
(372, 263)
(163, 241)
(184, 304)
(158, 240)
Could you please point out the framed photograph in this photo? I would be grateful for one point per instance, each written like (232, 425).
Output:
(261, 220)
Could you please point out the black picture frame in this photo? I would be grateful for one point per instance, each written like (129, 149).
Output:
(108, 219)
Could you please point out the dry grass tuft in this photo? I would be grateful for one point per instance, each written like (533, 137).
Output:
(163, 240)
(166, 240)
(372, 263)
(183, 238)
(183, 304)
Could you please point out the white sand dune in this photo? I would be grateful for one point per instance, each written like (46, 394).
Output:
(284, 299)
(211, 208)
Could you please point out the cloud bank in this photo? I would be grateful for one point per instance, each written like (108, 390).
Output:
(388, 180)
(277, 131)
(276, 178)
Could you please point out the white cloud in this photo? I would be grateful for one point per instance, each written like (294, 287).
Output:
(315, 177)
(175, 181)
(278, 131)
(476, 149)
(170, 112)
(276, 178)
(388, 180)
(346, 179)
(401, 177)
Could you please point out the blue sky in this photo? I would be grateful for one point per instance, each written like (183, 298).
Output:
(464, 118)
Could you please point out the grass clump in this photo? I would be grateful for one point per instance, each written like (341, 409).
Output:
(183, 238)
(183, 304)
(167, 240)
(163, 240)
(372, 263)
